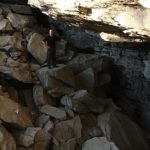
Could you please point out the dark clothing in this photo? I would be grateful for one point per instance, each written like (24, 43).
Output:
(51, 57)
(51, 51)
(51, 41)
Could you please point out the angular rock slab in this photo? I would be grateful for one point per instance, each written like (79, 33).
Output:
(66, 133)
(99, 143)
(125, 133)
(54, 112)
(37, 47)
(7, 142)
(55, 87)
(87, 79)
(26, 138)
(64, 74)
(11, 112)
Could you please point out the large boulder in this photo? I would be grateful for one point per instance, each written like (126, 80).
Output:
(37, 47)
(126, 134)
(7, 142)
(99, 143)
(15, 69)
(12, 113)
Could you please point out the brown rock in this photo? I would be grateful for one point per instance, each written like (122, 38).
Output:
(125, 133)
(11, 112)
(66, 133)
(54, 112)
(6, 140)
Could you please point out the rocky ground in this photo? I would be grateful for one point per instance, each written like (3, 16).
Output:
(62, 108)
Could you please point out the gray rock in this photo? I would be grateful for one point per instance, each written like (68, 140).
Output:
(64, 74)
(26, 138)
(7, 141)
(53, 112)
(5, 25)
(21, 21)
(21, 9)
(76, 106)
(90, 101)
(15, 69)
(125, 133)
(85, 61)
(49, 125)
(56, 87)
(41, 120)
(99, 143)
(38, 95)
(87, 79)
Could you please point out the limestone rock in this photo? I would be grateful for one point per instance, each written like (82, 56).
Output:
(66, 133)
(12, 113)
(87, 79)
(15, 69)
(108, 16)
(5, 25)
(26, 138)
(39, 97)
(89, 127)
(42, 140)
(49, 125)
(54, 112)
(85, 61)
(11, 41)
(64, 74)
(37, 47)
(74, 105)
(41, 120)
(20, 21)
(90, 101)
(7, 142)
(99, 143)
(21, 9)
(56, 88)
(120, 129)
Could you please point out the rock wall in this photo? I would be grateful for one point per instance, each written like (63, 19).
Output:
(68, 107)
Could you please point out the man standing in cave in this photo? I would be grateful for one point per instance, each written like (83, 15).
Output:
(50, 40)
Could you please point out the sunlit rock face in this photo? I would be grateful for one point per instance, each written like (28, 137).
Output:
(124, 18)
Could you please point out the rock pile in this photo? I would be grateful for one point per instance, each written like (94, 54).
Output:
(62, 108)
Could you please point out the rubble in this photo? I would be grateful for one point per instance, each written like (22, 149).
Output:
(66, 107)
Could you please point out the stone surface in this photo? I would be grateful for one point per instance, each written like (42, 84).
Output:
(7, 142)
(37, 47)
(26, 138)
(53, 112)
(15, 69)
(12, 113)
(56, 87)
(20, 21)
(76, 106)
(66, 133)
(5, 25)
(87, 79)
(99, 143)
(42, 140)
(89, 100)
(107, 16)
(84, 61)
(120, 129)
(64, 74)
